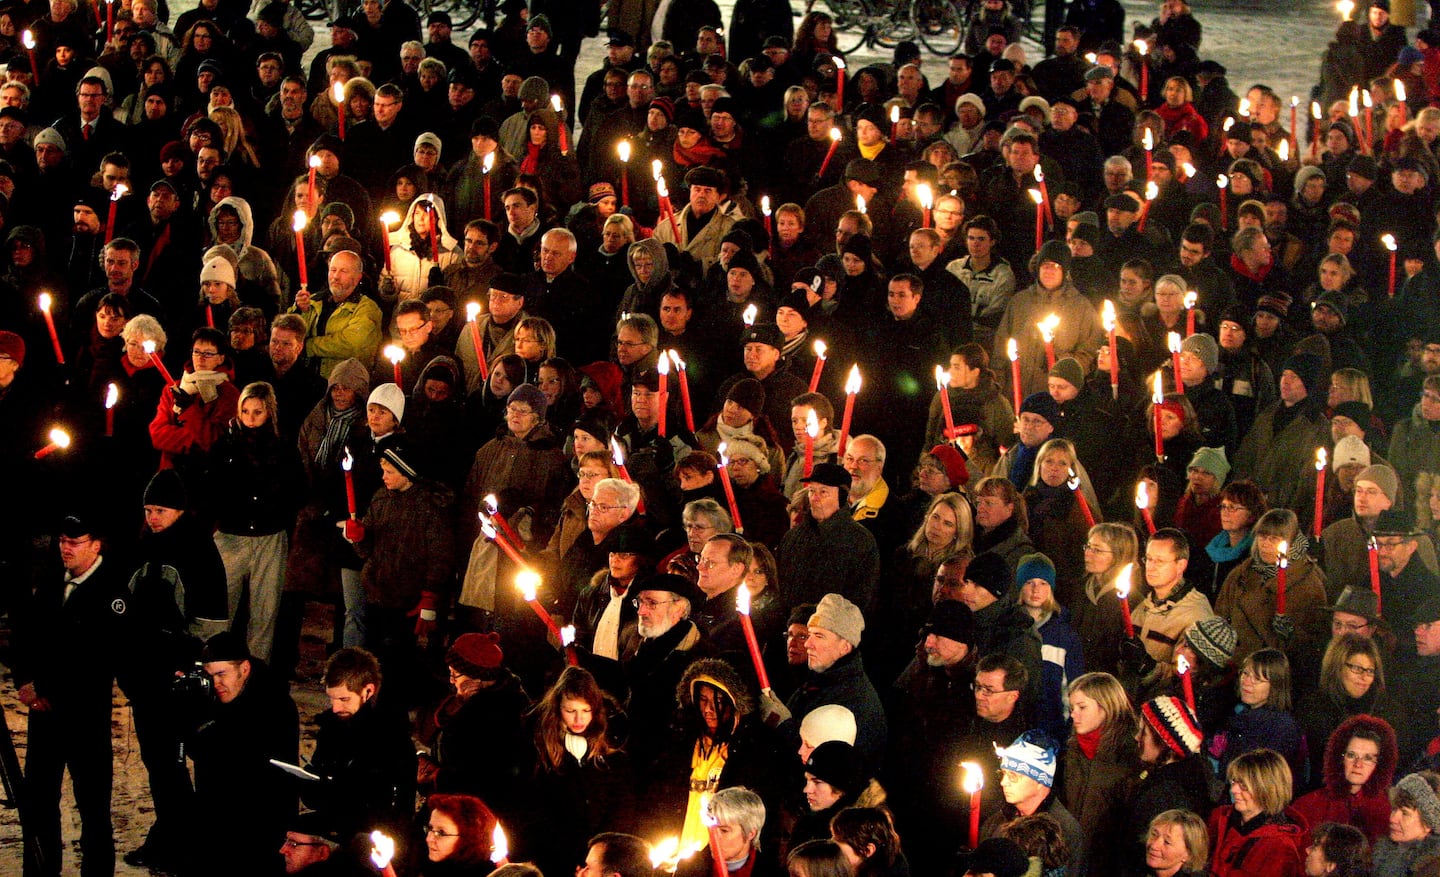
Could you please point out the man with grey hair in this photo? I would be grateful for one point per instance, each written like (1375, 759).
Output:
(724, 562)
(669, 642)
(739, 815)
(702, 519)
(563, 296)
(346, 324)
(613, 502)
(869, 496)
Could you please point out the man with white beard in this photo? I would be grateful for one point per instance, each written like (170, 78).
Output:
(669, 641)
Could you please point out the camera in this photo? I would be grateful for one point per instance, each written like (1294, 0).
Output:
(193, 684)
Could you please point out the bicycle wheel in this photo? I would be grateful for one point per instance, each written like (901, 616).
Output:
(937, 22)
(894, 28)
(851, 22)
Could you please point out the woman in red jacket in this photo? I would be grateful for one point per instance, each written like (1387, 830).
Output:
(1359, 766)
(1257, 833)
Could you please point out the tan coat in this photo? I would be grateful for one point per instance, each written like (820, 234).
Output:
(1161, 623)
(1248, 600)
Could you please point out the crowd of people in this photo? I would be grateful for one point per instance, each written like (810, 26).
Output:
(1031, 472)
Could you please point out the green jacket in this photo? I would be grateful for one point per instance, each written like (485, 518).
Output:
(353, 330)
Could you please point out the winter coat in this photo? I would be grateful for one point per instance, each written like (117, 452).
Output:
(1160, 623)
(983, 405)
(574, 520)
(1280, 462)
(409, 266)
(1261, 727)
(652, 670)
(350, 331)
(255, 482)
(1248, 600)
(368, 765)
(1092, 789)
(826, 445)
(1059, 531)
(1079, 334)
(1005, 539)
(1329, 722)
(1099, 623)
(1062, 662)
(481, 744)
(570, 804)
(407, 545)
(644, 298)
(257, 280)
(534, 468)
(705, 246)
(1414, 448)
(1401, 860)
(835, 555)
(184, 439)
(846, 684)
(1269, 845)
(1052, 807)
(1187, 784)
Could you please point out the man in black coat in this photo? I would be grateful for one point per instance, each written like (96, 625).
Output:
(829, 548)
(363, 751)
(250, 721)
(72, 642)
(668, 643)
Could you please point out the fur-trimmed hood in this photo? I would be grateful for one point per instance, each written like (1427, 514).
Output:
(1385, 766)
(720, 674)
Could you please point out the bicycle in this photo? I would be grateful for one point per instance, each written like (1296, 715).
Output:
(935, 23)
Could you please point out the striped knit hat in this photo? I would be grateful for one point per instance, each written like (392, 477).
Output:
(1174, 725)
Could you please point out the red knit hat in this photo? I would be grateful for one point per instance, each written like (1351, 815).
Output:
(954, 463)
(13, 346)
(477, 655)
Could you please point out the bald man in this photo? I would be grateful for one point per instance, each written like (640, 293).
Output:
(344, 324)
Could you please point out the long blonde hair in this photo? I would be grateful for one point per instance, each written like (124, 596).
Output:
(236, 144)
(964, 528)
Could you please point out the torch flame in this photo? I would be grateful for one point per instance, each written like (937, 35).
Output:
(557, 104)
(742, 599)
(28, 39)
(1222, 181)
(119, 191)
(1149, 141)
(926, 196)
(1107, 316)
(472, 311)
(499, 843)
(1142, 47)
(812, 423)
(491, 503)
(337, 91)
(299, 220)
(1244, 106)
(45, 301)
(617, 453)
(1283, 552)
(389, 218)
(1315, 110)
(860, 203)
(1012, 350)
(1039, 174)
(852, 383)
(382, 849)
(820, 349)
(974, 779)
(675, 358)
(348, 461)
(1159, 395)
(1182, 665)
(834, 133)
(660, 188)
(664, 851)
(1284, 150)
(1190, 298)
(941, 378)
(1399, 91)
(487, 527)
(1036, 196)
(1345, 7)
(1172, 341)
(567, 635)
(1321, 458)
(528, 581)
(112, 395)
(1142, 496)
(1152, 189)
(1229, 123)
(1074, 482)
(623, 148)
(662, 365)
(765, 204)
(1048, 327)
(314, 161)
(895, 115)
(1366, 100)
(59, 438)
(394, 353)
(1188, 168)
(721, 453)
(1122, 581)
(1389, 241)
(655, 168)
(749, 315)
(1354, 102)
(839, 63)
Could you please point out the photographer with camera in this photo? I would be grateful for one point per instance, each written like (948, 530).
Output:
(251, 720)
(178, 595)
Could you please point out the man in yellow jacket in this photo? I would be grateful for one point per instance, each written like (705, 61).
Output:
(345, 325)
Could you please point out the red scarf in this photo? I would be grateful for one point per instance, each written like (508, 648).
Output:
(1258, 275)
(531, 163)
(1089, 743)
(703, 152)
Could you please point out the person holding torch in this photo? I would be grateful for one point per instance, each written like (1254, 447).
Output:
(1078, 335)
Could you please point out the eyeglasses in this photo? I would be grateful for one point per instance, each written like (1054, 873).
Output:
(435, 832)
(1232, 507)
(517, 411)
(1157, 561)
(205, 354)
(1349, 626)
(67, 542)
(988, 690)
(1363, 759)
(707, 563)
(631, 344)
(1363, 672)
(296, 844)
(647, 604)
(860, 461)
(1098, 549)
(692, 526)
(602, 507)
(1252, 676)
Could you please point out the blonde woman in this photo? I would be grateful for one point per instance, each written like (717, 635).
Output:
(1261, 786)
(1177, 845)
(1100, 757)
(1057, 522)
(236, 144)
(948, 529)
(1096, 615)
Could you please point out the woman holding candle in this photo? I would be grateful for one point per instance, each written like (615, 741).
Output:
(583, 783)
(1180, 438)
(1352, 684)
(560, 383)
(1208, 647)
(1100, 757)
(559, 172)
(459, 837)
(193, 412)
(420, 245)
(1096, 615)
(1242, 503)
(218, 299)
(485, 408)
(1258, 832)
(101, 349)
(1058, 526)
(1249, 597)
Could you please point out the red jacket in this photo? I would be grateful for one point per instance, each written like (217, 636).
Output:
(195, 428)
(1275, 849)
(1368, 812)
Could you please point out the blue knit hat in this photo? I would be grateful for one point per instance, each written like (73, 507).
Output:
(1031, 755)
(1035, 566)
(1042, 404)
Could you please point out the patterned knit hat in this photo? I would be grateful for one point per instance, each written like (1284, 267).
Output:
(1214, 640)
(1173, 724)
(1031, 755)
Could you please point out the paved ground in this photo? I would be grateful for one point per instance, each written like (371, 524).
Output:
(1279, 43)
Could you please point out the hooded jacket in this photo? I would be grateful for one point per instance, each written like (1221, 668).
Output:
(257, 280)
(409, 267)
(1367, 810)
(644, 298)
(558, 171)
(1269, 845)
